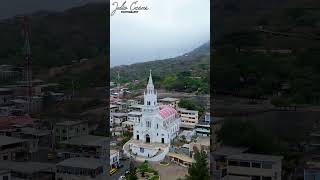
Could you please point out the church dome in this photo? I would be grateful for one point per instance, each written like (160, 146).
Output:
(167, 111)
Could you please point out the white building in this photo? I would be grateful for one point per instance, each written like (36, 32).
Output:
(114, 158)
(169, 101)
(189, 118)
(134, 116)
(157, 127)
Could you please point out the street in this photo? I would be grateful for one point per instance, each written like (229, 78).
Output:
(121, 171)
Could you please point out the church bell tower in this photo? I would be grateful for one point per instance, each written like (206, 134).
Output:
(150, 97)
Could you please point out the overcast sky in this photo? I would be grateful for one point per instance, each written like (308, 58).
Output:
(9, 8)
(168, 29)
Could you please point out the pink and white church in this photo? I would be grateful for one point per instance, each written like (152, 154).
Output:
(153, 133)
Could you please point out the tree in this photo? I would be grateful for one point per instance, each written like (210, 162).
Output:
(132, 172)
(191, 105)
(199, 169)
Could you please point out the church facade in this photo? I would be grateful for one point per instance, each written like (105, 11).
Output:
(154, 131)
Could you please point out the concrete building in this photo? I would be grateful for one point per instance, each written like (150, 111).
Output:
(254, 166)
(6, 95)
(173, 102)
(23, 103)
(207, 118)
(80, 168)
(36, 138)
(136, 107)
(68, 129)
(114, 158)
(134, 116)
(113, 108)
(312, 170)
(13, 148)
(5, 174)
(118, 118)
(9, 72)
(29, 170)
(128, 124)
(189, 118)
(203, 129)
(132, 102)
(84, 146)
(186, 135)
(219, 161)
(122, 106)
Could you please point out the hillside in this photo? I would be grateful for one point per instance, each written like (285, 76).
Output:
(248, 23)
(174, 74)
(56, 38)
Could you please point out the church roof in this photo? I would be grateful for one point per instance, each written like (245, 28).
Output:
(167, 111)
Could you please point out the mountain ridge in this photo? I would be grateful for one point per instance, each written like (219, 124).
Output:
(193, 64)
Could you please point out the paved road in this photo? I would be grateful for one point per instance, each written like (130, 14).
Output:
(121, 171)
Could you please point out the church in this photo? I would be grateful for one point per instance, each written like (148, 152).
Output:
(152, 134)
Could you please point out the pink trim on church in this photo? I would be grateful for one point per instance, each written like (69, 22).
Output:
(167, 111)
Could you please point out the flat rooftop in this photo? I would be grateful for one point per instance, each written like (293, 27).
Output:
(87, 140)
(255, 157)
(228, 150)
(81, 162)
(187, 111)
(137, 113)
(27, 167)
(204, 140)
(112, 151)
(70, 123)
(169, 99)
(118, 114)
(6, 140)
(312, 165)
(35, 132)
(137, 106)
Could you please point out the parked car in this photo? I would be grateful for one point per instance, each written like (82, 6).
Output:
(122, 177)
(112, 171)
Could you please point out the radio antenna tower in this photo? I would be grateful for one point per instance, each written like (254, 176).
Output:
(27, 51)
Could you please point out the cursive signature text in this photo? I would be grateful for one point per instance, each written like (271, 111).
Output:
(134, 7)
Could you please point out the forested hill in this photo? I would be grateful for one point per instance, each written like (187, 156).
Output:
(57, 38)
(189, 72)
(274, 24)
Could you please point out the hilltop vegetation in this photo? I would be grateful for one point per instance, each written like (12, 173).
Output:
(186, 73)
(268, 49)
(59, 40)
(294, 22)
(56, 38)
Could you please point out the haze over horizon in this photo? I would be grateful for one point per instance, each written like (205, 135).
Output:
(168, 29)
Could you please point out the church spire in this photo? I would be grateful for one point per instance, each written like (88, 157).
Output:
(150, 82)
(150, 96)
